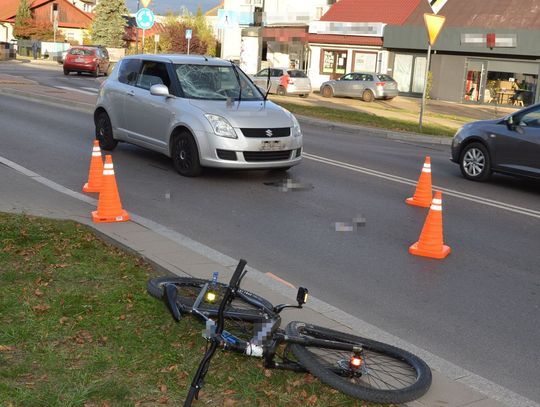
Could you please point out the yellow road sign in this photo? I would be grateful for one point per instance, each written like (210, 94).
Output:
(434, 25)
(145, 3)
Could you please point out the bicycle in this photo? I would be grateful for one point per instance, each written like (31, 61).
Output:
(359, 367)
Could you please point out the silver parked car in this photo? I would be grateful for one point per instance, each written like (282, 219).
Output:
(200, 111)
(367, 85)
(284, 81)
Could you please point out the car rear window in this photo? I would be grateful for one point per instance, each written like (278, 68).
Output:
(81, 51)
(296, 74)
(386, 78)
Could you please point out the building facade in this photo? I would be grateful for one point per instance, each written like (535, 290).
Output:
(487, 52)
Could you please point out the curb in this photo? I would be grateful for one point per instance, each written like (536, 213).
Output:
(382, 133)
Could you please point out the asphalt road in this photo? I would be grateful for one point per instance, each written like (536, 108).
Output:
(51, 75)
(476, 308)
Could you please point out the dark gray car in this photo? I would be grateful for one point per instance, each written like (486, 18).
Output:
(509, 145)
(367, 85)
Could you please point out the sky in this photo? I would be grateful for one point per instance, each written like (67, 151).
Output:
(162, 6)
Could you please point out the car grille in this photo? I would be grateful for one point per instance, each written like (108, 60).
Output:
(226, 155)
(267, 133)
(267, 155)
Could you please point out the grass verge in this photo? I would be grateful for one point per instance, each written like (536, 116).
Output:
(77, 328)
(365, 119)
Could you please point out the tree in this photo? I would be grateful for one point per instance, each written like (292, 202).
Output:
(109, 24)
(174, 39)
(23, 19)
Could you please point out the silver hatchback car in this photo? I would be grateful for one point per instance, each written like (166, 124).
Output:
(367, 85)
(200, 111)
(283, 81)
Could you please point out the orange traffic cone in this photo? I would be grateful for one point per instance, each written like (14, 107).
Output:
(422, 195)
(95, 173)
(109, 206)
(431, 242)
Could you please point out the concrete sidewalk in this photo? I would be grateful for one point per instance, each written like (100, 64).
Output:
(170, 252)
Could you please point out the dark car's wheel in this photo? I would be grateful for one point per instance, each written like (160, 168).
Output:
(281, 91)
(185, 155)
(104, 133)
(66, 71)
(327, 92)
(475, 162)
(368, 96)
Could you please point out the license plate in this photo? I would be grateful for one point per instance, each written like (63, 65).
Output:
(271, 145)
(79, 60)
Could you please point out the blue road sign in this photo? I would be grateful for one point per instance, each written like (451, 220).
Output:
(188, 34)
(145, 18)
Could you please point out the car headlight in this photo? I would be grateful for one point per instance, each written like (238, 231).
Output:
(296, 132)
(221, 126)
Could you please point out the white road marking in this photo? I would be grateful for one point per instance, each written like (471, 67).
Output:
(77, 90)
(451, 192)
(94, 90)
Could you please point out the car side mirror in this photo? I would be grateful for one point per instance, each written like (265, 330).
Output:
(510, 123)
(160, 90)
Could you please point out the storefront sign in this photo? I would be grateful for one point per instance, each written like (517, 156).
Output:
(341, 28)
(490, 40)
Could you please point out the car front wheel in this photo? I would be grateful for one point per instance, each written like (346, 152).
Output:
(185, 155)
(327, 92)
(104, 133)
(475, 163)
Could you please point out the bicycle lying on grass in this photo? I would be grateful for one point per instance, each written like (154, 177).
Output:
(359, 367)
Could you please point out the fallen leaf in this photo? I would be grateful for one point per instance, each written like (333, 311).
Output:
(163, 388)
(312, 400)
(268, 373)
(6, 348)
(41, 308)
(229, 403)
(122, 317)
(163, 400)
(229, 391)
(63, 320)
(38, 293)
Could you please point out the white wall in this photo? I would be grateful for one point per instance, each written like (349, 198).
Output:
(294, 12)
(6, 32)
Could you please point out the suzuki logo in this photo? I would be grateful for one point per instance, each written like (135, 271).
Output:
(269, 133)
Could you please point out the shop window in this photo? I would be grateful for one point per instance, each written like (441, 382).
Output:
(333, 63)
(364, 61)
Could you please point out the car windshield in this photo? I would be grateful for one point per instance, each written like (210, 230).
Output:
(212, 82)
(81, 51)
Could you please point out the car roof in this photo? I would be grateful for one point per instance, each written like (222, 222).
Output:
(181, 59)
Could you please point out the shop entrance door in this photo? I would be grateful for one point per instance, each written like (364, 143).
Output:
(475, 81)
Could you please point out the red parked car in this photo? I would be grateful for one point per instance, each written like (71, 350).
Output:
(92, 59)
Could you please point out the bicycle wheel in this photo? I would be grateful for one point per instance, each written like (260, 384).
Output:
(189, 289)
(387, 374)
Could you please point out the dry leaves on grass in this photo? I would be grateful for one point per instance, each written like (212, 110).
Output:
(41, 309)
(6, 348)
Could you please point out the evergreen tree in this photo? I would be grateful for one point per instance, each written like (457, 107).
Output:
(109, 23)
(23, 19)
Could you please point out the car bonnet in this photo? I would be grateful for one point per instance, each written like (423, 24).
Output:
(253, 114)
